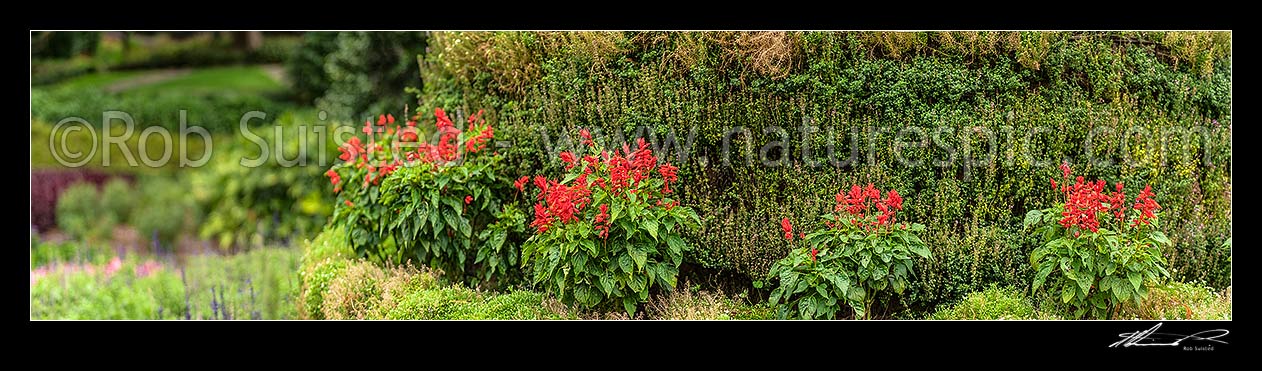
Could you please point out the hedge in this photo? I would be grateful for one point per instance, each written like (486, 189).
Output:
(1150, 89)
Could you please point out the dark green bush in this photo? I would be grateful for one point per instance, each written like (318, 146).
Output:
(872, 85)
(63, 44)
(352, 74)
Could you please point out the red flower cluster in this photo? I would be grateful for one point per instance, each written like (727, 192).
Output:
(1084, 201)
(621, 171)
(478, 142)
(1145, 204)
(856, 203)
(563, 202)
(602, 221)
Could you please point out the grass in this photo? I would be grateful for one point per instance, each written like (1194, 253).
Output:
(97, 80)
(81, 141)
(216, 80)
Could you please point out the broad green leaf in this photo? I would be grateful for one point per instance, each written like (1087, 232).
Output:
(1134, 277)
(497, 239)
(1033, 217)
(651, 226)
(676, 245)
(639, 255)
(590, 246)
(1159, 237)
(626, 264)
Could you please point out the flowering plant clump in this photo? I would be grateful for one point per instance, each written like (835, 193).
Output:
(861, 251)
(610, 229)
(1102, 246)
(403, 198)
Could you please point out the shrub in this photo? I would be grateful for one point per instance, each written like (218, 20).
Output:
(1178, 300)
(315, 283)
(610, 230)
(48, 184)
(118, 199)
(275, 202)
(355, 293)
(365, 71)
(994, 303)
(1101, 256)
(79, 213)
(166, 210)
(439, 205)
(859, 254)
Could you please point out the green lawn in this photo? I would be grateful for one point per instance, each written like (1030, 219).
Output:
(238, 79)
(97, 80)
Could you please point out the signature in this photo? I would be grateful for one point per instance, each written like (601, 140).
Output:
(1152, 338)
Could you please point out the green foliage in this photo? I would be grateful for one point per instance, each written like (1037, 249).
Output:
(219, 111)
(994, 303)
(1095, 269)
(306, 66)
(255, 285)
(352, 74)
(118, 199)
(63, 44)
(315, 283)
(855, 259)
(165, 210)
(1067, 84)
(438, 205)
(1179, 300)
(80, 214)
(252, 201)
(609, 231)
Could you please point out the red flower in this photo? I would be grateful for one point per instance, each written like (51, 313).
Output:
(521, 182)
(351, 149)
(813, 252)
(468, 200)
(333, 176)
(587, 137)
(895, 200)
(788, 229)
(602, 221)
(1064, 168)
(348, 203)
(1145, 204)
(568, 158)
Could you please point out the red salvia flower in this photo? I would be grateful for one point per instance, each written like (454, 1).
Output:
(813, 253)
(520, 183)
(468, 199)
(788, 229)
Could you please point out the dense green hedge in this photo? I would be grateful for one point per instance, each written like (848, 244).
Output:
(1067, 83)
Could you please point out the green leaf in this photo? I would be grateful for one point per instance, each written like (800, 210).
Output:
(1033, 217)
(590, 246)
(789, 280)
(639, 255)
(1159, 237)
(497, 239)
(451, 218)
(626, 264)
(1042, 276)
(651, 226)
(676, 245)
(628, 303)
(465, 228)
(1134, 277)
(1066, 294)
